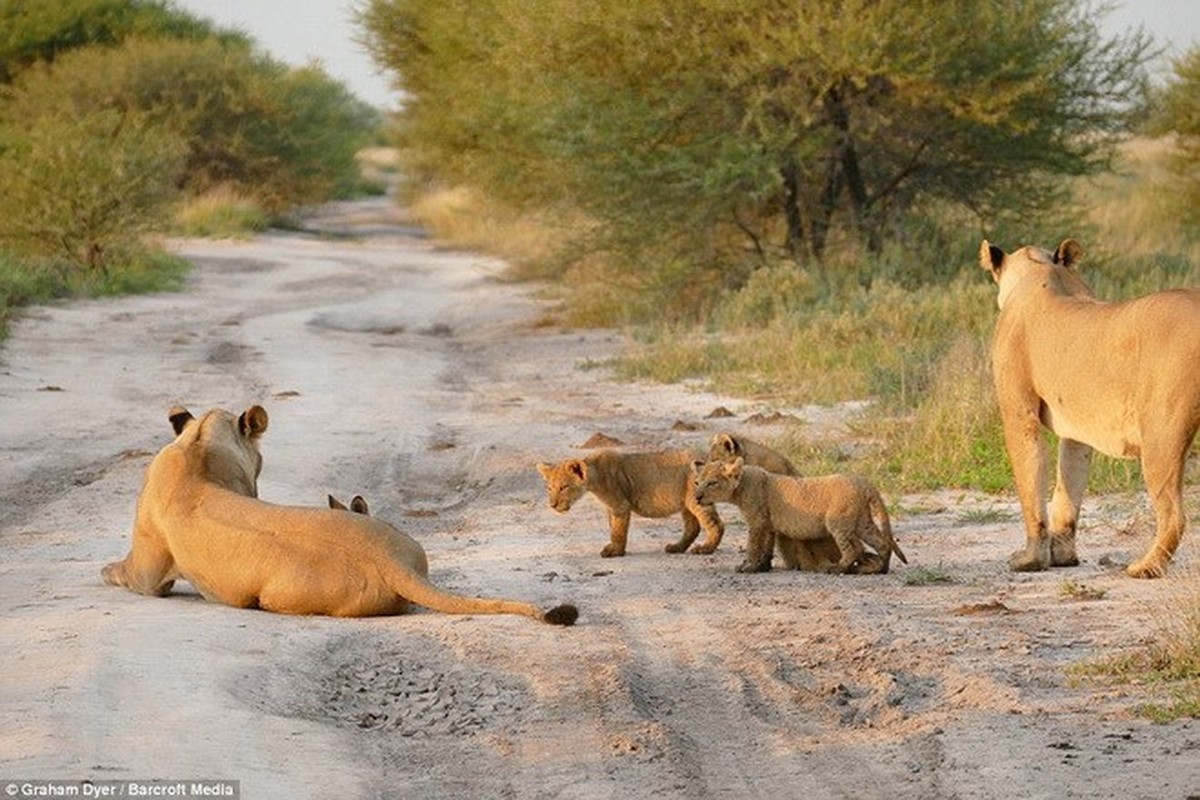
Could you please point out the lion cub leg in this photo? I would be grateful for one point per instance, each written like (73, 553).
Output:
(618, 532)
(706, 518)
(759, 548)
(845, 536)
(691, 529)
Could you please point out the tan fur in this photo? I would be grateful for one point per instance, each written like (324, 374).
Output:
(654, 485)
(198, 519)
(729, 446)
(846, 508)
(810, 555)
(1123, 378)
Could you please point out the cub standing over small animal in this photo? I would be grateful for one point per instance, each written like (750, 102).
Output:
(655, 485)
(809, 555)
(779, 508)
(1122, 378)
(199, 518)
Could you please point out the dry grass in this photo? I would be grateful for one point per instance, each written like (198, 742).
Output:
(461, 218)
(223, 211)
(1168, 665)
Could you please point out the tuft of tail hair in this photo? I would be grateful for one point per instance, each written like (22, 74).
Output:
(566, 614)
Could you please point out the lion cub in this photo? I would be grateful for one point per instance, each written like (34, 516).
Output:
(728, 446)
(782, 509)
(655, 484)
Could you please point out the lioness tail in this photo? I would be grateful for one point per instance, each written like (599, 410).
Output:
(419, 590)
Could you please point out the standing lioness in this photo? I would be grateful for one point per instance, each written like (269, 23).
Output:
(647, 484)
(1123, 378)
(199, 519)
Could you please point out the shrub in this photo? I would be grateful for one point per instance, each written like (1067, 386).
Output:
(81, 189)
(286, 137)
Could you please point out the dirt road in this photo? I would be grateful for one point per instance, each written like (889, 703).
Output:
(412, 376)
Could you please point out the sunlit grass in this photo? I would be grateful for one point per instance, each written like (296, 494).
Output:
(1168, 666)
(222, 212)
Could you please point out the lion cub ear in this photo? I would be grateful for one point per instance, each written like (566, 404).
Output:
(1069, 253)
(578, 468)
(253, 421)
(179, 417)
(990, 258)
(358, 505)
(725, 442)
(697, 466)
(734, 468)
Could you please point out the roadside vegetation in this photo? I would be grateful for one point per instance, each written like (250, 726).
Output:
(122, 121)
(785, 201)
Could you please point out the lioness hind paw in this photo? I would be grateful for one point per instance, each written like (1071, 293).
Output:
(1146, 569)
(566, 614)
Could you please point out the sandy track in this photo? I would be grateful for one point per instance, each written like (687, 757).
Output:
(412, 376)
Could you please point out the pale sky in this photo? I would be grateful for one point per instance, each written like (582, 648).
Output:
(295, 31)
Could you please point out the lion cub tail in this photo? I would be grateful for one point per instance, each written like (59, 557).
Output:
(879, 512)
(417, 589)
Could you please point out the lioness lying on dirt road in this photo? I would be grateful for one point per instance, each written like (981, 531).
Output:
(1123, 378)
(655, 484)
(198, 519)
(782, 510)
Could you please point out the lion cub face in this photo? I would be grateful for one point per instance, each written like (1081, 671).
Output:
(566, 482)
(716, 481)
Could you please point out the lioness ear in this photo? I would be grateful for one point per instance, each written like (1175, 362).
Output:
(990, 258)
(1069, 253)
(253, 421)
(697, 466)
(179, 418)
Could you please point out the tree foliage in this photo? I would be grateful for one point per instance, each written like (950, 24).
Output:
(706, 128)
(285, 136)
(35, 31)
(1179, 114)
(112, 109)
(83, 189)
